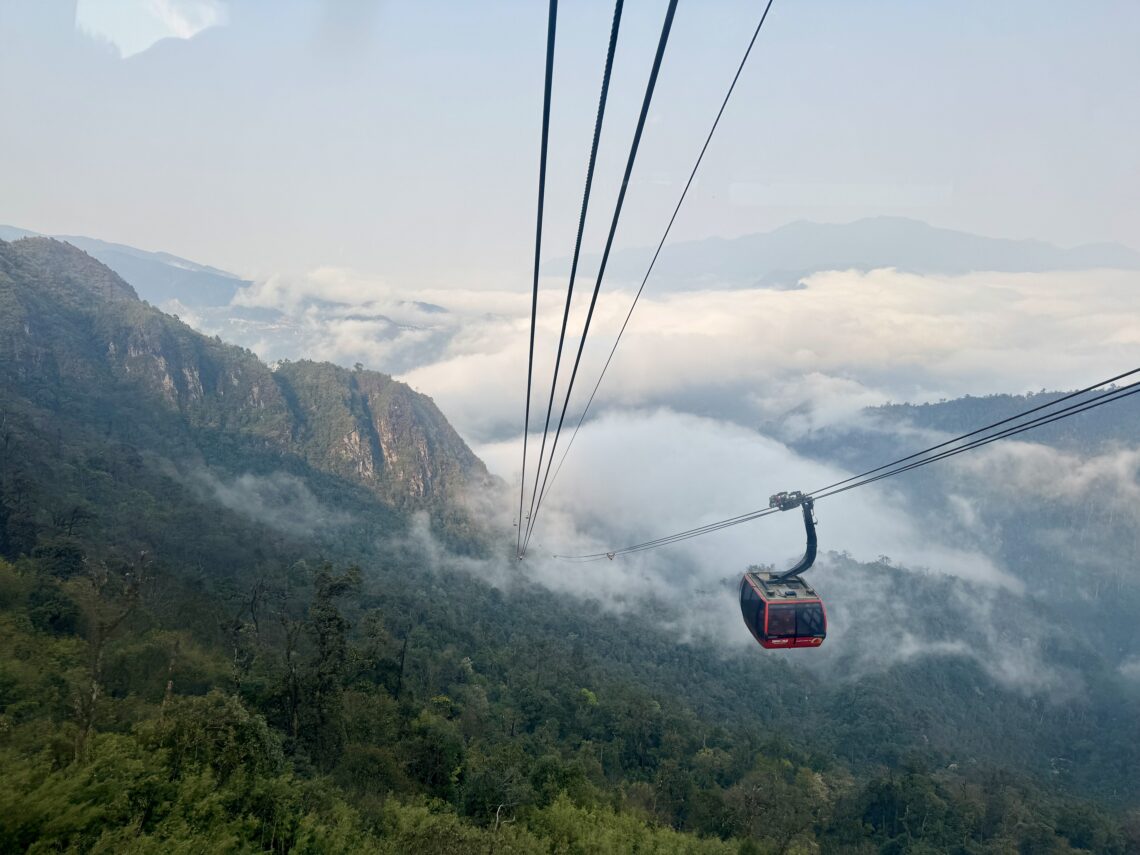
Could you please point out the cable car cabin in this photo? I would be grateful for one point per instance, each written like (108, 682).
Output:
(782, 613)
(781, 609)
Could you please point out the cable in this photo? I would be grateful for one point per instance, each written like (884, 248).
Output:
(1106, 398)
(666, 27)
(894, 468)
(650, 86)
(1075, 409)
(671, 539)
(1052, 403)
(660, 245)
(552, 19)
(577, 250)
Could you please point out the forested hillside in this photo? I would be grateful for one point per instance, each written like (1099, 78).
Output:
(82, 358)
(221, 629)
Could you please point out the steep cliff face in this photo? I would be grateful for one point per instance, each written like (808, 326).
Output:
(76, 341)
(369, 427)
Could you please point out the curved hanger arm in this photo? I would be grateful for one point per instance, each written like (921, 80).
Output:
(809, 554)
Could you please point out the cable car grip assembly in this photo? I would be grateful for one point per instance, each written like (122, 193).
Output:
(786, 501)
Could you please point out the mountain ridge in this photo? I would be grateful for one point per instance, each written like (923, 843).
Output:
(71, 319)
(781, 257)
(158, 277)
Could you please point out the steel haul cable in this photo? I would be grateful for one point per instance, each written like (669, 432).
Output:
(896, 467)
(577, 251)
(1021, 415)
(1106, 398)
(552, 19)
(650, 86)
(660, 245)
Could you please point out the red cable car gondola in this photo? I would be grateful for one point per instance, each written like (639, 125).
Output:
(780, 609)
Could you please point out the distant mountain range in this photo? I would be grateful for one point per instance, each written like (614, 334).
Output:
(158, 277)
(404, 334)
(776, 259)
(782, 257)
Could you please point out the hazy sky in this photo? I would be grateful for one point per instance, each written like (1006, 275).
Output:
(400, 139)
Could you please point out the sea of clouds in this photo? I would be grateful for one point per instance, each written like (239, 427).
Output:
(674, 439)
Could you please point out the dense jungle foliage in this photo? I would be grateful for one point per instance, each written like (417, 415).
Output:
(299, 714)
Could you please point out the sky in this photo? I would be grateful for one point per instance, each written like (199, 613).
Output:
(401, 139)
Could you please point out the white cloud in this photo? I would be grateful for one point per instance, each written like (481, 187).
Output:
(814, 355)
(186, 18)
(675, 442)
(1085, 510)
(135, 25)
(869, 629)
(691, 589)
(640, 475)
(1021, 467)
(804, 358)
(279, 500)
(811, 356)
(1130, 668)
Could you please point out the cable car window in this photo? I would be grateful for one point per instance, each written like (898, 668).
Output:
(781, 621)
(809, 619)
(750, 605)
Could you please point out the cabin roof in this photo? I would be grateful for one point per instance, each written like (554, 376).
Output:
(793, 590)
